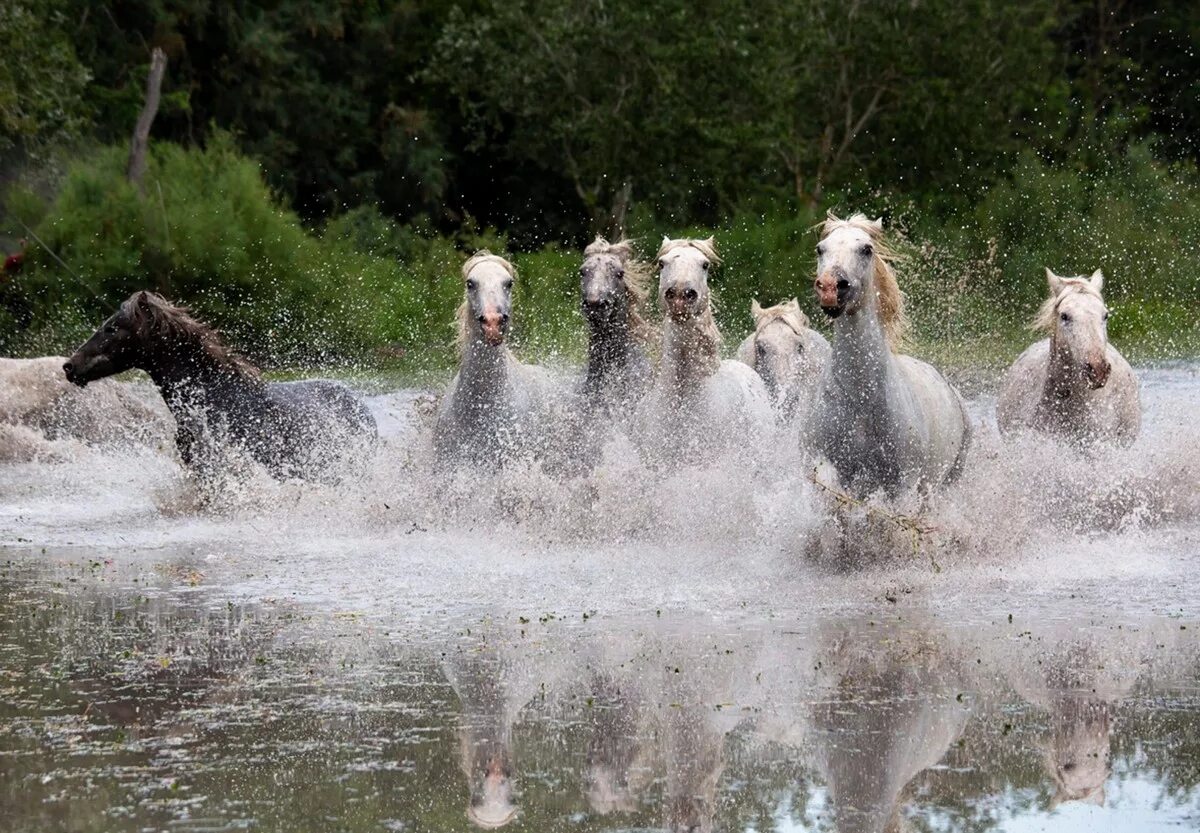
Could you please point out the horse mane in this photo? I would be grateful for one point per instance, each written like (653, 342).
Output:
(788, 312)
(707, 247)
(1047, 314)
(462, 318)
(887, 290)
(638, 274)
(151, 314)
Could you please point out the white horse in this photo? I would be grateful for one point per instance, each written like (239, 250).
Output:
(496, 407)
(699, 400)
(787, 353)
(1073, 384)
(883, 420)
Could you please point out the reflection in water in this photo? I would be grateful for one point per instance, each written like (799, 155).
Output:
(133, 704)
(892, 712)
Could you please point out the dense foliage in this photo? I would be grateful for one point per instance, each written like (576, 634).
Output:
(319, 166)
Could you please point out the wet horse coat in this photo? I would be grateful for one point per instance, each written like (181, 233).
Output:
(885, 421)
(1074, 384)
(303, 429)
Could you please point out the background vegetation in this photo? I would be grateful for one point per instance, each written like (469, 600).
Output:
(319, 168)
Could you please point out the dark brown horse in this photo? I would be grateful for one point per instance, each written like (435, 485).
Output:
(295, 429)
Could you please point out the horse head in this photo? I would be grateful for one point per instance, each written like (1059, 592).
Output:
(683, 269)
(1077, 319)
(487, 308)
(780, 347)
(116, 347)
(607, 282)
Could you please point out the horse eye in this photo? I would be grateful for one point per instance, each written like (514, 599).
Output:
(705, 266)
(821, 250)
(1066, 319)
(470, 284)
(662, 263)
(865, 251)
(620, 274)
(1106, 314)
(508, 284)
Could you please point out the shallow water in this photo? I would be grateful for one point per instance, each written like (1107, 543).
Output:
(637, 650)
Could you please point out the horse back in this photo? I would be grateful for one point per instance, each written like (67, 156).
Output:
(322, 401)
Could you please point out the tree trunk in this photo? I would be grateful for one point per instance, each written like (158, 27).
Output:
(141, 133)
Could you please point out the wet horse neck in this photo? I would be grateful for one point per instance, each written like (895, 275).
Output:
(188, 377)
(483, 374)
(689, 356)
(861, 365)
(1065, 388)
(610, 351)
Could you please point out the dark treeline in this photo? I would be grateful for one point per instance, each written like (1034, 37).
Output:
(553, 118)
(305, 148)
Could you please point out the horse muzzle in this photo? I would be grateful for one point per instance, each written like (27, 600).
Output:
(72, 368)
(494, 327)
(831, 293)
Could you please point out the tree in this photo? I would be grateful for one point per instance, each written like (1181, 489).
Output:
(41, 78)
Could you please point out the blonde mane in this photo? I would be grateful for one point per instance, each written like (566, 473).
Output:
(638, 274)
(707, 247)
(1047, 314)
(706, 338)
(788, 312)
(462, 317)
(887, 290)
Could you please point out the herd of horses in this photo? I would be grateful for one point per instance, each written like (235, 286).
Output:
(883, 420)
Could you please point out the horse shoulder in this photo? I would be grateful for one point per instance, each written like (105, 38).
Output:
(1022, 385)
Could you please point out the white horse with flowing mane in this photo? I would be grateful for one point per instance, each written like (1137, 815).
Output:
(884, 420)
(699, 400)
(787, 353)
(1074, 384)
(496, 407)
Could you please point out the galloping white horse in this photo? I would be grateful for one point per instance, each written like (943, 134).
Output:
(787, 353)
(1073, 384)
(885, 421)
(699, 400)
(496, 406)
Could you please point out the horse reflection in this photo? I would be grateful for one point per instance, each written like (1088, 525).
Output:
(1079, 689)
(485, 738)
(891, 714)
(615, 769)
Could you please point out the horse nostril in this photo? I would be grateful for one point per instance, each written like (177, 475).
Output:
(843, 283)
(691, 294)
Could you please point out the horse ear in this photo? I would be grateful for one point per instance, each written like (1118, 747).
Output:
(143, 300)
(1054, 282)
(756, 309)
(876, 224)
(1097, 280)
